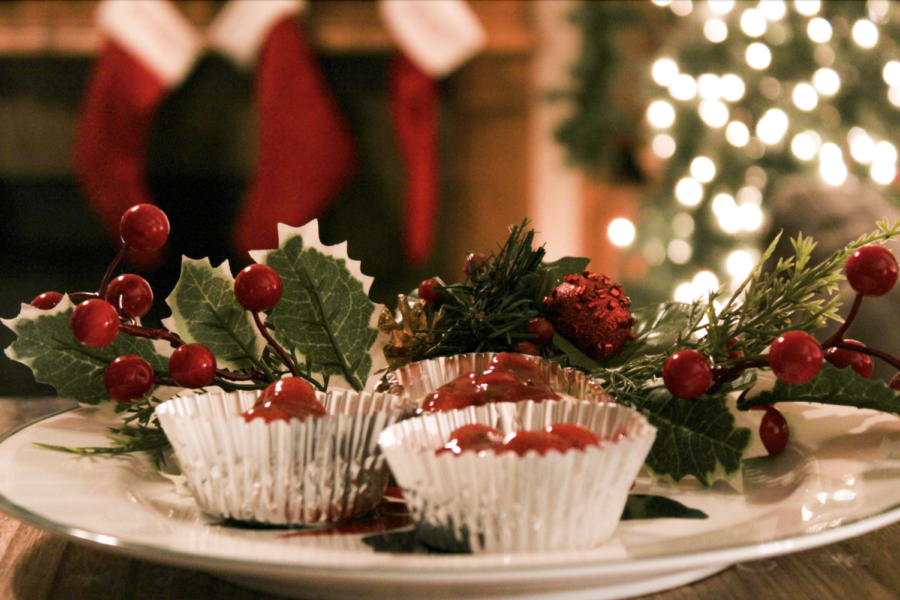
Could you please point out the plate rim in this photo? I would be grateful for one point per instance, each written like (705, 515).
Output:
(658, 564)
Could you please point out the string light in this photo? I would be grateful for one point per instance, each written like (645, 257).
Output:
(682, 8)
(753, 23)
(805, 97)
(683, 87)
(679, 252)
(732, 87)
(683, 224)
(721, 7)
(737, 134)
(654, 253)
(878, 10)
(865, 33)
(740, 264)
(827, 81)
(819, 30)
(862, 147)
(727, 213)
(714, 113)
(710, 86)
(689, 192)
(749, 195)
(621, 232)
(834, 173)
(664, 71)
(885, 152)
(804, 146)
(894, 96)
(684, 293)
(705, 282)
(773, 10)
(891, 73)
(830, 152)
(751, 216)
(772, 126)
(758, 56)
(662, 2)
(703, 169)
(715, 30)
(807, 7)
(661, 114)
(663, 145)
(883, 172)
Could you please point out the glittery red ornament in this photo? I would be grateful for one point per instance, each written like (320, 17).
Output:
(592, 312)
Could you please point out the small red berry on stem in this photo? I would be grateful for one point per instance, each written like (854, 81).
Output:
(542, 328)
(428, 293)
(527, 348)
(95, 323)
(773, 429)
(47, 300)
(192, 366)
(128, 378)
(258, 287)
(872, 270)
(842, 358)
(795, 357)
(895, 382)
(687, 374)
(131, 294)
(475, 265)
(144, 228)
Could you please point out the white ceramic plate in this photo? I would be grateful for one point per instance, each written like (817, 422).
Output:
(839, 478)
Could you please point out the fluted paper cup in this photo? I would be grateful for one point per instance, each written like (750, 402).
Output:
(415, 380)
(485, 502)
(321, 470)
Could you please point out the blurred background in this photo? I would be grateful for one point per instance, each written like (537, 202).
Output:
(667, 140)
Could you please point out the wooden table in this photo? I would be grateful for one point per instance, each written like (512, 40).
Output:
(35, 565)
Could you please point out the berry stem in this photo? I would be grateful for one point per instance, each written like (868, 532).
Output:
(151, 333)
(253, 375)
(285, 357)
(78, 297)
(722, 375)
(838, 336)
(109, 272)
(888, 358)
(234, 387)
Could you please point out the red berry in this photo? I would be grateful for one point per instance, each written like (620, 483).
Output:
(47, 300)
(258, 287)
(687, 374)
(527, 348)
(131, 294)
(192, 366)
(735, 354)
(872, 270)
(475, 265)
(863, 364)
(427, 292)
(895, 382)
(144, 228)
(128, 378)
(795, 357)
(286, 399)
(542, 329)
(541, 442)
(578, 435)
(475, 437)
(773, 430)
(95, 323)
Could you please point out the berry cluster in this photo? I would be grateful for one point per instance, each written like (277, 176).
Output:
(795, 356)
(118, 305)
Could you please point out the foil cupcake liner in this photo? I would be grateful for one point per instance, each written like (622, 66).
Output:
(490, 503)
(415, 380)
(317, 471)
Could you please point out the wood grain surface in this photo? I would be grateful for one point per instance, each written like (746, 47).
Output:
(35, 565)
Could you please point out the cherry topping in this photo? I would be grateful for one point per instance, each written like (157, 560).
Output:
(131, 294)
(508, 378)
(863, 364)
(541, 442)
(475, 265)
(795, 357)
(258, 287)
(286, 399)
(128, 378)
(95, 323)
(526, 347)
(687, 374)
(192, 366)
(47, 300)
(773, 429)
(475, 437)
(144, 227)
(872, 270)
(428, 293)
(542, 329)
(578, 435)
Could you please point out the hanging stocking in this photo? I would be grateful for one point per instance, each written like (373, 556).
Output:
(306, 152)
(149, 48)
(435, 38)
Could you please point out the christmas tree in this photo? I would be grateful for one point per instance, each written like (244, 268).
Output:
(737, 96)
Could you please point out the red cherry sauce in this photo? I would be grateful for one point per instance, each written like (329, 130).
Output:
(508, 378)
(286, 399)
(475, 437)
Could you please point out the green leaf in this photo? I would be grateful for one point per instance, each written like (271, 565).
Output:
(842, 387)
(656, 328)
(553, 273)
(205, 311)
(645, 506)
(325, 313)
(694, 437)
(576, 358)
(44, 342)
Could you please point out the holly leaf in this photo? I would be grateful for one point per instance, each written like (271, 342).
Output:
(325, 314)
(574, 356)
(553, 273)
(696, 437)
(44, 342)
(842, 387)
(656, 327)
(646, 506)
(205, 311)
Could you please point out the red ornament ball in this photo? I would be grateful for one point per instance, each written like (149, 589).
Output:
(428, 293)
(542, 329)
(872, 270)
(47, 300)
(128, 378)
(687, 374)
(592, 312)
(258, 287)
(842, 358)
(795, 357)
(192, 366)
